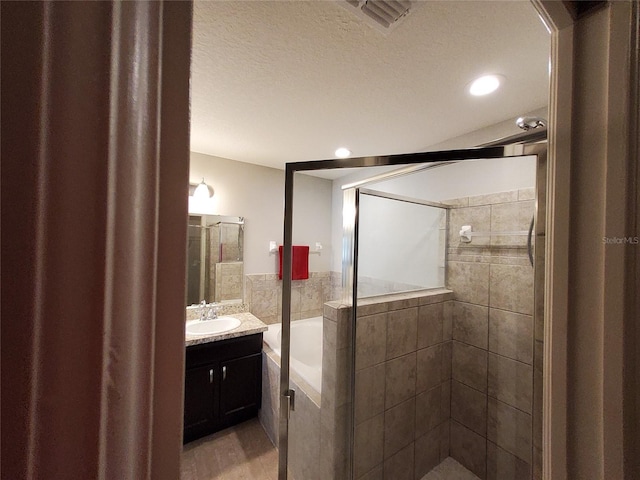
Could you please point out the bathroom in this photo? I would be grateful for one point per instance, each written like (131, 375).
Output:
(96, 128)
(478, 296)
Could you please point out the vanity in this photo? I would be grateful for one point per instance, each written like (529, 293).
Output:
(223, 377)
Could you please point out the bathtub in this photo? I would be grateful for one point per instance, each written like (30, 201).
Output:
(305, 349)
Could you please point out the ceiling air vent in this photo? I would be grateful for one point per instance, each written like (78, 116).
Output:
(383, 15)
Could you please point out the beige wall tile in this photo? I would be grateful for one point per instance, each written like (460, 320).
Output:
(370, 392)
(264, 303)
(403, 301)
(511, 382)
(469, 407)
(368, 447)
(478, 217)
(469, 366)
(371, 340)
(509, 217)
(512, 288)
(371, 307)
(435, 296)
(400, 383)
(445, 439)
(469, 282)
(269, 320)
(493, 198)
(402, 329)
(430, 324)
(311, 297)
(447, 320)
(330, 311)
(469, 448)
(399, 427)
(445, 400)
(527, 193)
(428, 410)
(427, 452)
(400, 465)
(457, 202)
(445, 372)
(471, 324)
(341, 426)
(501, 465)
(537, 394)
(511, 335)
(304, 439)
(375, 474)
(510, 429)
(429, 368)
(329, 334)
(336, 367)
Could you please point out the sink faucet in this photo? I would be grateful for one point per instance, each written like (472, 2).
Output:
(213, 311)
(203, 310)
(208, 311)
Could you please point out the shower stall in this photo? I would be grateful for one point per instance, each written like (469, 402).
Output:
(432, 357)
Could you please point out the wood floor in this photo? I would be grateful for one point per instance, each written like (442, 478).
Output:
(242, 452)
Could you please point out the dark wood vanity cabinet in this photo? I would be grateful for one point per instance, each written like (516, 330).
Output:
(223, 384)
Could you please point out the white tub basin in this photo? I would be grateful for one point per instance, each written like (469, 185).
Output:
(210, 327)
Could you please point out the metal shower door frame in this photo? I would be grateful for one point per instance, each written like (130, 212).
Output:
(516, 146)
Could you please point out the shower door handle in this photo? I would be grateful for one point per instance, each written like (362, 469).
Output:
(529, 242)
(291, 401)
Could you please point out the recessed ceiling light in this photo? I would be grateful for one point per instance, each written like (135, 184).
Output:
(485, 85)
(342, 152)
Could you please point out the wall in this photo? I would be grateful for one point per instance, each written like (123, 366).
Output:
(493, 337)
(402, 384)
(257, 193)
(263, 295)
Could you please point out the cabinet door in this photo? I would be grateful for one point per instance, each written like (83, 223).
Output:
(199, 405)
(240, 389)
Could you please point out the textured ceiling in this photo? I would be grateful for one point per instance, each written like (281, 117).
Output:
(283, 81)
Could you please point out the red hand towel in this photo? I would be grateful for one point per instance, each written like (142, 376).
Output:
(299, 262)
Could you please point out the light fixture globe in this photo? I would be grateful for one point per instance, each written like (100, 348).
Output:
(202, 191)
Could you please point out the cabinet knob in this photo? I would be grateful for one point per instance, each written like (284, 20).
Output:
(211, 375)
(224, 373)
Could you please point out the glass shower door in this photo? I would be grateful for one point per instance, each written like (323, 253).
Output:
(402, 243)
(396, 402)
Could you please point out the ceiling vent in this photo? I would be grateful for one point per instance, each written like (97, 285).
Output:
(383, 15)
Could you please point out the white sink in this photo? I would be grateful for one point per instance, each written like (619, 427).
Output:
(209, 327)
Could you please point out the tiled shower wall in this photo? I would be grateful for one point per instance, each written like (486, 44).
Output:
(228, 281)
(493, 336)
(403, 384)
(263, 295)
(319, 426)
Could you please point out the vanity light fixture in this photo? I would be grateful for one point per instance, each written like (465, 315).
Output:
(485, 85)
(342, 152)
(202, 191)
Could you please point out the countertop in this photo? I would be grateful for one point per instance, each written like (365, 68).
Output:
(248, 326)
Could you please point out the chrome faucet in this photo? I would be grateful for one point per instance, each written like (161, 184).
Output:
(203, 310)
(213, 311)
(208, 311)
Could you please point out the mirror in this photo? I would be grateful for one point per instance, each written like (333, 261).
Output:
(215, 270)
